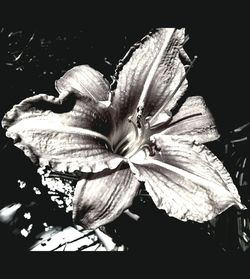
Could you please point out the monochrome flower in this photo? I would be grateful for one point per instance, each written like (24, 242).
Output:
(136, 133)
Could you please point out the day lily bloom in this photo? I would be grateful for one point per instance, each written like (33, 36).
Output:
(137, 132)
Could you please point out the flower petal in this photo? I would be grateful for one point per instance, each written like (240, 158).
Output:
(187, 180)
(68, 133)
(151, 75)
(102, 197)
(193, 120)
(86, 81)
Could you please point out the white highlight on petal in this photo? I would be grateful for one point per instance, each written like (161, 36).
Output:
(155, 67)
(35, 124)
(139, 156)
(195, 178)
(161, 109)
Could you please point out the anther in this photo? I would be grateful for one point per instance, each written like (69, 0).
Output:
(149, 148)
(155, 144)
(157, 147)
(139, 112)
(120, 65)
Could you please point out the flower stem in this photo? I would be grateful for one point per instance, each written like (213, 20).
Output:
(106, 240)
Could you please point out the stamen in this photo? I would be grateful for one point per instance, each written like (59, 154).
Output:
(127, 147)
(133, 146)
(152, 146)
(128, 137)
(176, 89)
(130, 120)
(140, 127)
(149, 147)
(121, 143)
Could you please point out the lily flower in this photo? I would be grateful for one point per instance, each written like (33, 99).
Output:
(137, 132)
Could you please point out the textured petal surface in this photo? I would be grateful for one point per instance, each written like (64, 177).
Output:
(102, 197)
(187, 180)
(151, 75)
(86, 81)
(68, 133)
(194, 121)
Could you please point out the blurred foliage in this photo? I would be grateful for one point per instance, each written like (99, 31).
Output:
(31, 60)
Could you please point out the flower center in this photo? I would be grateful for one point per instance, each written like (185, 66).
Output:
(131, 139)
(134, 135)
(135, 139)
